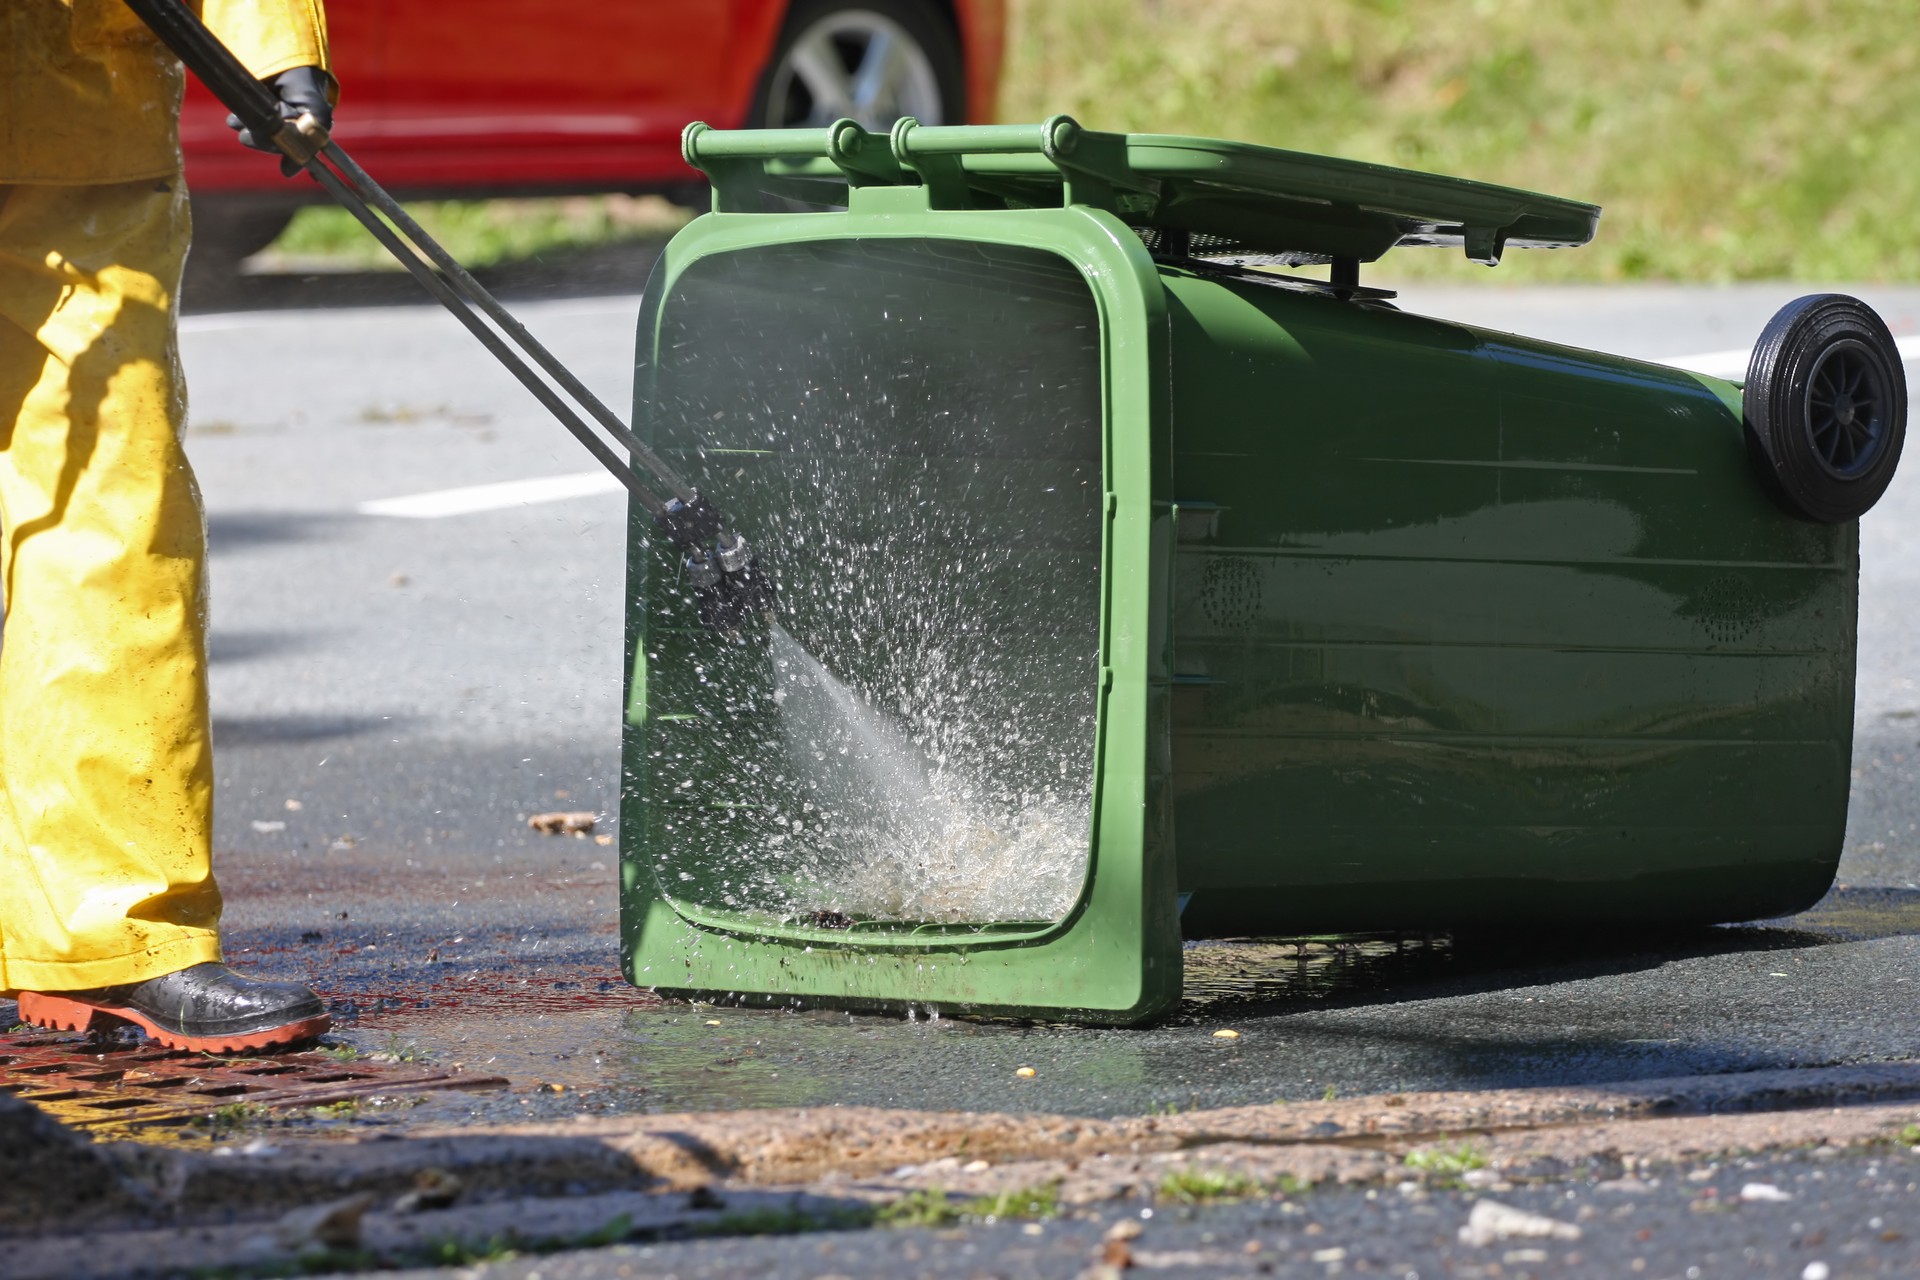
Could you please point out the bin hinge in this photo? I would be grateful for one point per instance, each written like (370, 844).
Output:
(743, 163)
(1093, 166)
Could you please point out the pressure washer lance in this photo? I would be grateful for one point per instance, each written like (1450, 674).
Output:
(729, 586)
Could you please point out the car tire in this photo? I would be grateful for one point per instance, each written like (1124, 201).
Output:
(824, 67)
(226, 232)
(1826, 407)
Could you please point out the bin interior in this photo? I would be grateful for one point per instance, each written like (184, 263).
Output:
(912, 428)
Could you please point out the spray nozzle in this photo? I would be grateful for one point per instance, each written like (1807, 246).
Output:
(729, 586)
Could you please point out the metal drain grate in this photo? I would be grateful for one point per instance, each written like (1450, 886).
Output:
(88, 1083)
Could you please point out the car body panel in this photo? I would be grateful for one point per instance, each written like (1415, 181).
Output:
(498, 96)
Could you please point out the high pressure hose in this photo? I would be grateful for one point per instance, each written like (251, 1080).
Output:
(730, 588)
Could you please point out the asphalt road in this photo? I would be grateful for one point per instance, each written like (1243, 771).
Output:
(393, 696)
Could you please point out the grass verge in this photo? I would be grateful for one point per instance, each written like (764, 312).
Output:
(484, 233)
(1726, 139)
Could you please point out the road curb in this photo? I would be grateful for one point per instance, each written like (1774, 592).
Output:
(598, 1179)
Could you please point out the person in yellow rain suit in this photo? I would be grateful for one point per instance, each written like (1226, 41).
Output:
(108, 908)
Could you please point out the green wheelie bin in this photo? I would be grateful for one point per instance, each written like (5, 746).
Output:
(1134, 586)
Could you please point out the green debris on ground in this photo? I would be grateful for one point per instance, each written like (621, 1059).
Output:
(1031, 1204)
(1200, 1185)
(932, 1207)
(399, 1050)
(233, 1117)
(320, 1262)
(501, 1248)
(1446, 1161)
(929, 1207)
(786, 1220)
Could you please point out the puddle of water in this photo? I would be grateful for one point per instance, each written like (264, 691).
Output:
(609, 1054)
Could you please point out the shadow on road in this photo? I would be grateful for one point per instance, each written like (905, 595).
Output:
(250, 731)
(603, 270)
(234, 531)
(1255, 978)
(245, 646)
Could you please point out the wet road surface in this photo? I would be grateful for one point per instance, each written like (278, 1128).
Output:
(537, 1001)
(395, 696)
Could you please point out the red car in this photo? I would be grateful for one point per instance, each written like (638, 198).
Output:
(498, 97)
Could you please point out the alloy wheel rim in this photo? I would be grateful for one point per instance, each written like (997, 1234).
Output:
(856, 64)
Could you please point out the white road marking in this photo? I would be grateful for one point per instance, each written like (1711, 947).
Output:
(1715, 364)
(493, 497)
(522, 493)
(1733, 364)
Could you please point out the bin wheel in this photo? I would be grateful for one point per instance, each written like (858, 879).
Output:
(1826, 407)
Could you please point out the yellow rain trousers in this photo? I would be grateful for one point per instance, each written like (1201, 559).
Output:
(106, 784)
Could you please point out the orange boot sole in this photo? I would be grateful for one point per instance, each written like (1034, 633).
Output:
(60, 1013)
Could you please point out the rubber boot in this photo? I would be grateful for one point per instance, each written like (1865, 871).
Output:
(206, 1008)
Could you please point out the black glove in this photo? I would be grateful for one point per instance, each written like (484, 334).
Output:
(302, 91)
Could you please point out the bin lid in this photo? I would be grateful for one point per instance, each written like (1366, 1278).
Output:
(1291, 205)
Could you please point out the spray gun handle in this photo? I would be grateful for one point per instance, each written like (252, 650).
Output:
(305, 140)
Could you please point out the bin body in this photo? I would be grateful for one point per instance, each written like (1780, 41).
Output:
(1127, 595)
(1476, 630)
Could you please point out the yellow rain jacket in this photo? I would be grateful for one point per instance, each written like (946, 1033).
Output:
(88, 95)
(106, 784)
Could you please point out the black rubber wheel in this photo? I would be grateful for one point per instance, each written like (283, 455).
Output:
(1826, 406)
(872, 61)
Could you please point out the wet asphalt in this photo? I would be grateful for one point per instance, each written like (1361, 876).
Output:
(393, 698)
